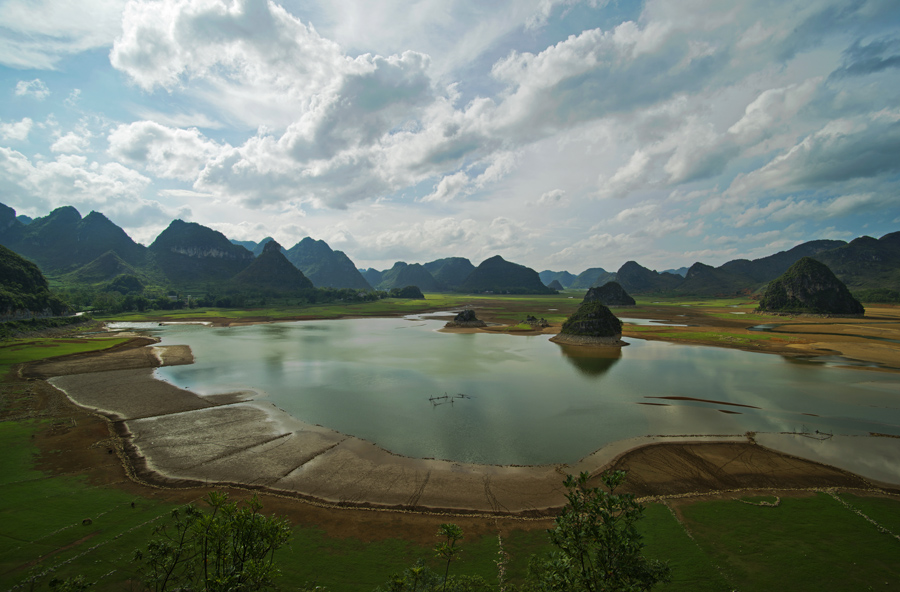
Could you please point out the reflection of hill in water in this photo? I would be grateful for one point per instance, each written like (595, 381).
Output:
(592, 361)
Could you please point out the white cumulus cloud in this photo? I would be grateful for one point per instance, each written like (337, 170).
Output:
(32, 88)
(17, 130)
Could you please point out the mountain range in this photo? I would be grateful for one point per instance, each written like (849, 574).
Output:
(864, 265)
(189, 256)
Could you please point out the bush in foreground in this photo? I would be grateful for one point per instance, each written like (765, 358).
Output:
(599, 547)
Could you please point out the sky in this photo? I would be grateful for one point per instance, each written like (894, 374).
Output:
(559, 134)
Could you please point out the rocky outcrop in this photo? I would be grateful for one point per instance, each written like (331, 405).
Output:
(592, 324)
(809, 287)
(610, 294)
(466, 319)
(409, 292)
(535, 322)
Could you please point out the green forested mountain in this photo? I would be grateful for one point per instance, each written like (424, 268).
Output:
(768, 268)
(11, 228)
(63, 241)
(403, 274)
(254, 247)
(271, 272)
(502, 277)
(324, 267)
(564, 278)
(866, 263)
(188, 253)
(24, 292)
(809, 286)
(372, 276)
(592, 319)
(682, 271)
(636, 279)
(94, 251)
(609, 294)
(104, 268)
(589, 278)
(450, 272)
(705, 280)
(249, 245)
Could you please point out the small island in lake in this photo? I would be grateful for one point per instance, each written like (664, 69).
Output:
(592, 324)
(466, 319)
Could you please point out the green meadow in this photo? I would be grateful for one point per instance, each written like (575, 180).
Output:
(513, 308)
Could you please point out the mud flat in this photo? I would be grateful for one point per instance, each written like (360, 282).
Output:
(174, 437)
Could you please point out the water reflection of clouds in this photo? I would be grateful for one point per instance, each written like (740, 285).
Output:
(535, 401)
(872, 457)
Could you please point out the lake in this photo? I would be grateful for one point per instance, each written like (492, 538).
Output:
(520, 400)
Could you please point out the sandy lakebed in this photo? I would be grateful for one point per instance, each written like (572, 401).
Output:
(174, 438)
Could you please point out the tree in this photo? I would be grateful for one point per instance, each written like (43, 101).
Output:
(419, 578)
(447, 549)
(228, 549)
(599, 547)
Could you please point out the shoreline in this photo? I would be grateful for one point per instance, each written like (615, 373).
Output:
(176, 438)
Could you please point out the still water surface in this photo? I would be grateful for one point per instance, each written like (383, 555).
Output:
(528, 400)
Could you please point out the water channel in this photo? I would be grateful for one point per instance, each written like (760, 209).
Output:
(525, 400)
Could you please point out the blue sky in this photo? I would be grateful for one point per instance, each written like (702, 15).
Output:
(560, 134)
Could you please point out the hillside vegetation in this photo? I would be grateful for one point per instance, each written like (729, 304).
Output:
(24, 293)
(808, 286)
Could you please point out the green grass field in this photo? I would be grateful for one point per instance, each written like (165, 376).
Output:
(17, 351)
(513, 308)
(810, 543)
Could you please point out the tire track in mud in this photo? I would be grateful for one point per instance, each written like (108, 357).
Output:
(492, 500)
(310, 458)
(413, 500)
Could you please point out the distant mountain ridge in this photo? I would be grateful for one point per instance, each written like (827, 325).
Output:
(564, 278)
(189, 253)
(272, 272)
(324, 266)
(500, 276)
(63, 240)
(94, 250)
(865, 263)
(450, 272)
(403, 274)
(590, 278)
